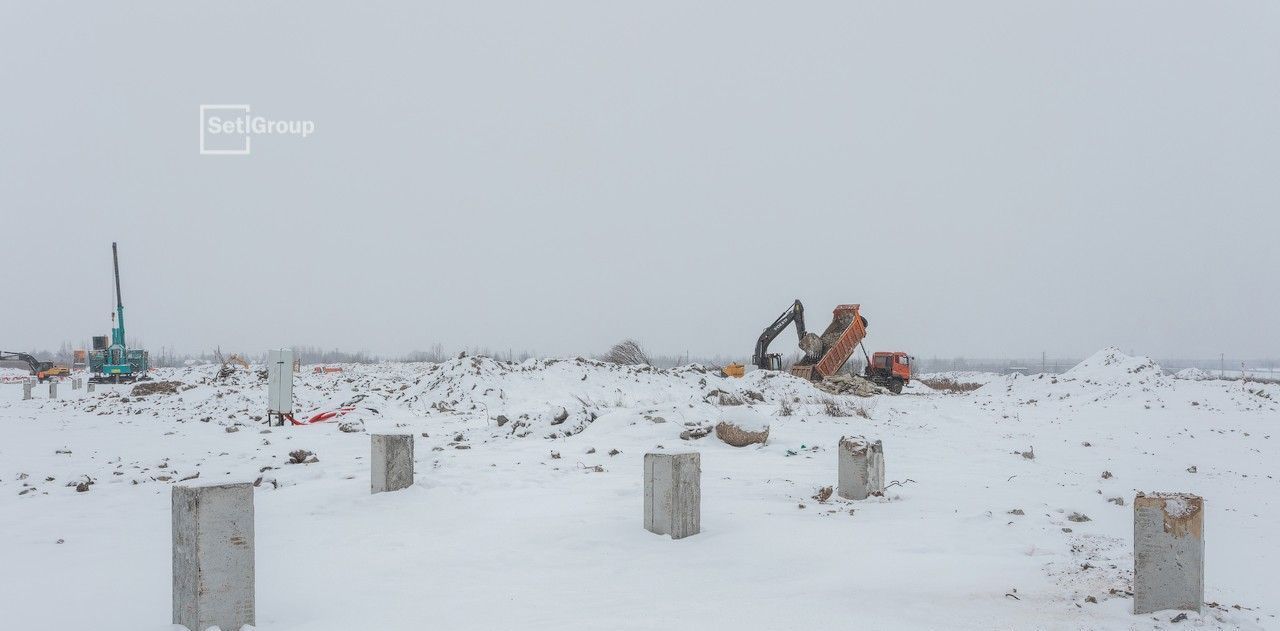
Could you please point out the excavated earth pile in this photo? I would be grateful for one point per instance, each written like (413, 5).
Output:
(844, 383)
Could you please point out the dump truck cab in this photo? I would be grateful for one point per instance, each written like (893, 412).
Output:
(890, 369)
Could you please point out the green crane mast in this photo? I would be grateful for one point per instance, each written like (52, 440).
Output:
(116, 363)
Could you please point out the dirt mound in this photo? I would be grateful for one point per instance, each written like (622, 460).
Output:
(733, 435)
(843, 383)
(156, 387)
(742, 426)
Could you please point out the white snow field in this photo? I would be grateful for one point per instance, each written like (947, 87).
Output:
(528, 522)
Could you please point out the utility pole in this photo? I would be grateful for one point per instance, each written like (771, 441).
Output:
(1222, 365)
(1041, 362)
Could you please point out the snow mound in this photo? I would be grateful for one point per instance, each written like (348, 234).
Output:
(958, 376)
(562, 397)
(1109, 365)
(1194, 374)
(1107, 374)
(542, 398)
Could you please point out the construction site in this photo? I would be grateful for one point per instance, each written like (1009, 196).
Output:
(720, 316)
(1014, 494)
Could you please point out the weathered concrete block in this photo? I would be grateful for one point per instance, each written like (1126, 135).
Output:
(26, 390)
(860, 464)
(53, 389)
(75, 383)
(391, 462)
(213, 565)
(1168, 552)
(673, 494)
(89, 388)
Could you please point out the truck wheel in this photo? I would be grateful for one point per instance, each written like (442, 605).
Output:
(895, 385)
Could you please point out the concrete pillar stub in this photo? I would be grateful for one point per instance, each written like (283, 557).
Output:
(390, 462)
(860, 467)
(213, 556)
(1168, 552)
(53, 389)
(26, 390)
(673, 493)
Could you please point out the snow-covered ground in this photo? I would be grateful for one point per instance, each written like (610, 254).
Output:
(961, 376)
(524, 517)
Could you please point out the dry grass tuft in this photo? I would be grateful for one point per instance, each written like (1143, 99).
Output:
(831, 407)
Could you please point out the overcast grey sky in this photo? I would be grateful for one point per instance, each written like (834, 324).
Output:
(985, 178)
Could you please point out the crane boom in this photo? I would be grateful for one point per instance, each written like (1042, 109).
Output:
(117, 333)
(116, 362)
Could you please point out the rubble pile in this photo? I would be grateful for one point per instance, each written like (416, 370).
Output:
(844, 383)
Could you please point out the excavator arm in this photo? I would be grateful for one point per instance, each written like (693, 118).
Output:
(794, 313)
(36, 365)
(41, 369)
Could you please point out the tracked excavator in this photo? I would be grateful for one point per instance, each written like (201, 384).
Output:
(41, 369)
(825, 354)
(765, 360)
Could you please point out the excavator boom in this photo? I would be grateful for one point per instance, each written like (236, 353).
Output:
(762, 357)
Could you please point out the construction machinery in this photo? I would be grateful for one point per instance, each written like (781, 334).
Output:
(891, 370)
(116, 362)
(43, 370)
(762, 358)
(826, 354)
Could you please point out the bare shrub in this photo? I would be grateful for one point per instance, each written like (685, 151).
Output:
(950, 385)
(832, 407)
(627, 353)
(785, 408)
(723, 398)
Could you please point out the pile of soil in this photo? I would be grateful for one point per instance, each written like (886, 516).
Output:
(843, 383)
(155, 387)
